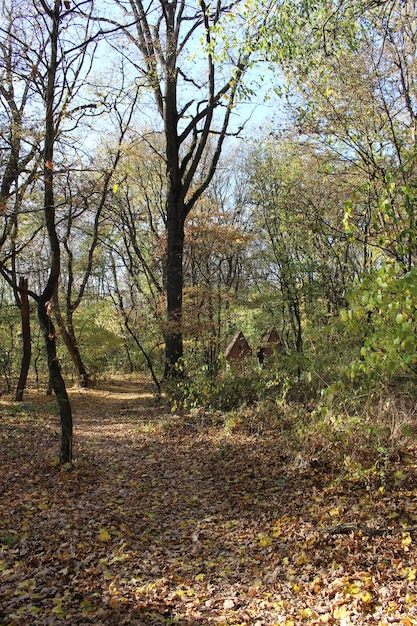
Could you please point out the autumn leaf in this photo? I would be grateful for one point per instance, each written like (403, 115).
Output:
(104, 534)
(366, 597)
(353, 589)
(264, 540)
(341, 612)
(409, 573)
(303, 559)
(114, 602)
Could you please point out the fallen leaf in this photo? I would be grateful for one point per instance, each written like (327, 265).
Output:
(104, 534)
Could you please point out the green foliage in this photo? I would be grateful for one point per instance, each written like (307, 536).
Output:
(383, 313)
(239, 385)
(99, 338)
(10, 355)
(392, 221)
(228, 390)
(298, 34)
(361, 435)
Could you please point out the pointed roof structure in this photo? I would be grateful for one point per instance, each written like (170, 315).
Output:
(238, 348)
(271, 338)
(269, 345)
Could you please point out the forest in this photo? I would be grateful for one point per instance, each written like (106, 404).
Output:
(208, 312)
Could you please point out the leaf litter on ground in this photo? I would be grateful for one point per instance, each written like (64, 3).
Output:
(162, 521)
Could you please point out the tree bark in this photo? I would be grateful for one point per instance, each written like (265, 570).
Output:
(70, 340)
(174, 290)
(26, 339)
(56, 380)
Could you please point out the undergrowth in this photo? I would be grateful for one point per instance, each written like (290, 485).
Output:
(360, 433)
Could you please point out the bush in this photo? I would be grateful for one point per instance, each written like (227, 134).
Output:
(383, 314)
(229, 389)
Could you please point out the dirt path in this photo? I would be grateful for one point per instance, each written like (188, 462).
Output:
(164, 521)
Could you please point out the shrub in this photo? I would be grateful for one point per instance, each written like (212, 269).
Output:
(383, 314)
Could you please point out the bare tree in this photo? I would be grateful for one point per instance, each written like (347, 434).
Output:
(85, 202)
(52, 38)
(20, 144)
(195, 88)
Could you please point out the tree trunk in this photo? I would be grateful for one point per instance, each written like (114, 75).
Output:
(194, 135)
(26, 338)
(68, 335)
(56, 380)
(75, 354)
(174, 284)
(49, 293)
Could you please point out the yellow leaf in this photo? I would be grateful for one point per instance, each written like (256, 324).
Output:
(341, 612)
(104, 534)
(408, 573)
(366, 597)
(34, 610)
(406, 540)
(334, 512)
(353, 589)
(264, 540)
(303, 559)
(58, 609)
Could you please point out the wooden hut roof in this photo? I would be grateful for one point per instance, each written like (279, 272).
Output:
(238, 347)
(270, 337)
(270, 344)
